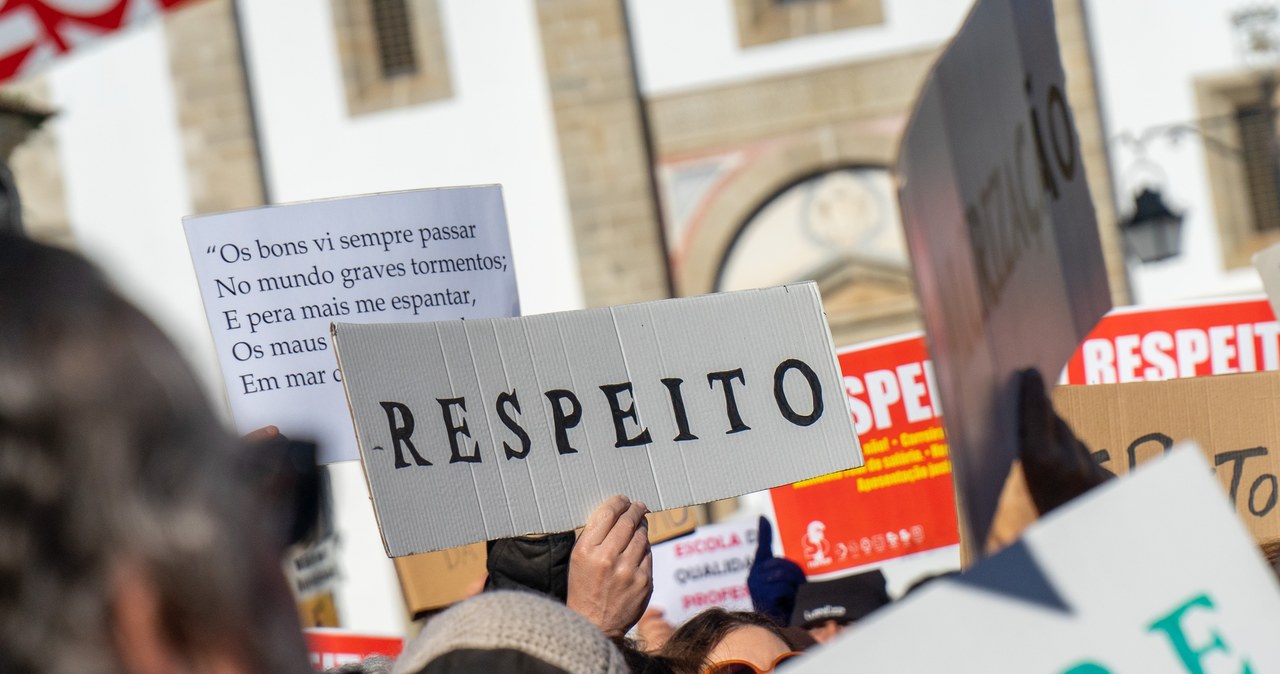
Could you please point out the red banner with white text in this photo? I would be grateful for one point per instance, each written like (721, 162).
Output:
(902, 501)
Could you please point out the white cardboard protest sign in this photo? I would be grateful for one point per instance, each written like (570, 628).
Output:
(706, 568)
(474, 430)
(1001, 229)
(1267, 262)
(274, 278)
(1151, 572)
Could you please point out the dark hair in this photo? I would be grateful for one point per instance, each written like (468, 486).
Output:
(111, 455)
(688, 647)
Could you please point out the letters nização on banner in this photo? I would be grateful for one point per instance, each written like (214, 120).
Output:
(706, 568)
(274, 278)
(1000, 225)
(902, 501)
(474, 430)
(1090, 589)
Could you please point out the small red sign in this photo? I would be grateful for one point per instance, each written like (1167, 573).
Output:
(334, 648)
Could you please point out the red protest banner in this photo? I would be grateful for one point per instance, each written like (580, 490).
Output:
(1193, 340)
(33, 32)
(333, 648)
(902, 501)
(871, 514)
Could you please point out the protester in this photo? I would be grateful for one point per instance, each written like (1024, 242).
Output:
(716, 641)
(827, 608)
(653, 630)
(506, 631)
(611, 570)
(773, 581)
(127, 540)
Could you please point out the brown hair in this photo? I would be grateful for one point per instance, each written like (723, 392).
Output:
(110, 454)
(688, 647)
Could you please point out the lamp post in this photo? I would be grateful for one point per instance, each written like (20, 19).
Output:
(1153, 232)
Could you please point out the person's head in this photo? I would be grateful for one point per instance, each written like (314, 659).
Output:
(126, 544)
(508, 631)
(825, 609)
(717, 636)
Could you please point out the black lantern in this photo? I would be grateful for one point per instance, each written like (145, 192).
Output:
(1153, 232)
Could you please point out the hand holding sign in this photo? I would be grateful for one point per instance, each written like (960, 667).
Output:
(1057, 465)
(611, 571)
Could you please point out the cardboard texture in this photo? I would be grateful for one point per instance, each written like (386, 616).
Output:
(273, 279)
(474, 430)
(902, 502)
(707, 568)
(1235, 419)
(998, 219)
(434, 580)
(1088, 591)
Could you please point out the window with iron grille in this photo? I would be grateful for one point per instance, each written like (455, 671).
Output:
(393, 28)
(1258, 154)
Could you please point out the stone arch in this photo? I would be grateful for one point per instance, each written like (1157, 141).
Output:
(773, 167)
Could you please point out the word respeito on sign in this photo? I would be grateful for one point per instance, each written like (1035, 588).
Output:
(473, 430)
(1157, 343)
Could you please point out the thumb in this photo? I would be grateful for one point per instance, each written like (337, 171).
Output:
(764, 540)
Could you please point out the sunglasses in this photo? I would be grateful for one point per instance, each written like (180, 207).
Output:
(744, 667)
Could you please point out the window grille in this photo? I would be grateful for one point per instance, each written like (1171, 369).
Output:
(393, 29)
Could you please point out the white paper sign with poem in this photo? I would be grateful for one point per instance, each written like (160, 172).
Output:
(274, 278)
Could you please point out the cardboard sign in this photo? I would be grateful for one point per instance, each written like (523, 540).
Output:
(1093, 589)
(1235, 419)
(34, 32)
(433, 580)
(274, 278)
(333, 648)
(902, 501)
(474, 430)
(1000, 225)
(705, 569)
(1188, 340)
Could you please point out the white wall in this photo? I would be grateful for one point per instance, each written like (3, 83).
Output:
(496, 128)
(1148, 54)
(689, 44)
(125, 180)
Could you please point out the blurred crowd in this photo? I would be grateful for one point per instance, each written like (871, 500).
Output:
(138, 536)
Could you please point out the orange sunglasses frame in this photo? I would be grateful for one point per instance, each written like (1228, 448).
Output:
(715, 666)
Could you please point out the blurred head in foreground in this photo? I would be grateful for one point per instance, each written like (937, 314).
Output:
(509, 631)
(717, 640)
(127, 544)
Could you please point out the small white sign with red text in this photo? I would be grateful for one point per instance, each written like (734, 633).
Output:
(706, 568)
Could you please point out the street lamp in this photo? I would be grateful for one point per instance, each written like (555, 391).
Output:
(1153, 232)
